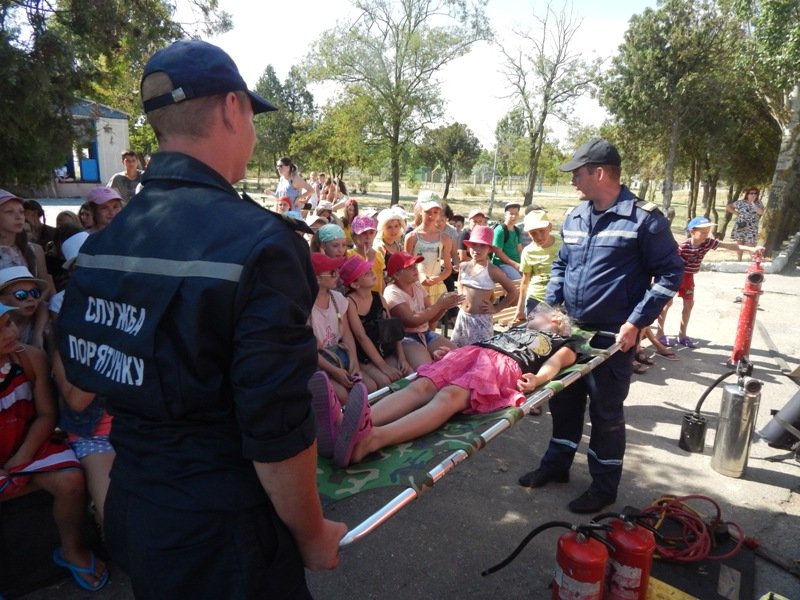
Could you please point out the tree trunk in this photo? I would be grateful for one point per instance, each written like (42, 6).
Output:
(645, 185)
(782, 214)
(535, 151)
(722, 229)
(448, 177)
(713, 180)
(394, 151)
(669, 175)
(694, 182)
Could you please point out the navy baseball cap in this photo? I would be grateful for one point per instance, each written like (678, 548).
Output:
(197, 69)
(596, 151)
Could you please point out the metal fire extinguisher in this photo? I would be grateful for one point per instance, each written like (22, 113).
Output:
(631, 560)
(737, 421)
(581, 561)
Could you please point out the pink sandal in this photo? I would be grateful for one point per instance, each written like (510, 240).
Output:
(356, 425)
(327, 412)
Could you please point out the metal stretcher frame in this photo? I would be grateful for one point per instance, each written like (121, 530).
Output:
(535, 399)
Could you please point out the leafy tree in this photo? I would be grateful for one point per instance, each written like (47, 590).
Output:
(661, 71)
(295, 115)
(546, 77)
(453, 147)
(57, 51)
(339, 140)
(390, 54)
(772, 58)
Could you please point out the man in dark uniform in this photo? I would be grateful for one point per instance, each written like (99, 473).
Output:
(617, 268)
(189, 313)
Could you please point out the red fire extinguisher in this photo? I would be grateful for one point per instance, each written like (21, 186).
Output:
(581, 561)
(631, 560)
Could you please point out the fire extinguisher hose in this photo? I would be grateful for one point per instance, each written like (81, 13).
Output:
(705, 394)
(588, 530)
(696, 539)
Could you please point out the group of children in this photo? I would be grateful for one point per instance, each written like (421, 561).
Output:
(33, 453)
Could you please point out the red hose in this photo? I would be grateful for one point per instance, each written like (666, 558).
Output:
(695, 541)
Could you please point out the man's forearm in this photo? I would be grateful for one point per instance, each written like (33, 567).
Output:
(292, 487)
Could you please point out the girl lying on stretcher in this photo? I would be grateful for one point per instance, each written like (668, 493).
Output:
(480, 378)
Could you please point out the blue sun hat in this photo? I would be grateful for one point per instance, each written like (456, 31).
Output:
(699, 223)
(330, 232)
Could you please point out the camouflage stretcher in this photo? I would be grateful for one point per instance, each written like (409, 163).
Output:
(407, 464)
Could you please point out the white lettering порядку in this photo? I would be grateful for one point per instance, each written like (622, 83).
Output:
(107, 361)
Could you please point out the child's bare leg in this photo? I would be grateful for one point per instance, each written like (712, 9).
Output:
(342, 393)
(661, 319)
(367, 380)
(441, 342)
(660, 348)
(69, 504)
(97, 467)
(402, 402)
(376, 375)
(688, 304)
(417, 354)
(448, 401)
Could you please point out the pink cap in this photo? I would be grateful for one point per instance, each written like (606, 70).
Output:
(362, 223)
(5, 196)
(101, 195)
(353, 269)
(480, 234)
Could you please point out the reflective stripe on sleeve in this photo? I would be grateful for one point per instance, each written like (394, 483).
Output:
(162, 266)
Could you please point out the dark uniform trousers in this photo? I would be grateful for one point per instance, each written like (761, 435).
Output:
(171, 553)
(606, 388)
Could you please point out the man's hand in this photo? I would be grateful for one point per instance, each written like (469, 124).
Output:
(627, 337)
(322, 552)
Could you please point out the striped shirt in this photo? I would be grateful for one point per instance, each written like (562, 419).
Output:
(693, 255)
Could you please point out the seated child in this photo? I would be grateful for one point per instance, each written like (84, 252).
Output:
(363, 230)
(385, 362)
(481, 378)
(692, 251)
(408, 302)
(30, 454)
(83, 414)
(335, 345)
(20, 289)
(476, 279)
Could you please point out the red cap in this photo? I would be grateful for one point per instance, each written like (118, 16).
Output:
(323, 263)
(401, 260)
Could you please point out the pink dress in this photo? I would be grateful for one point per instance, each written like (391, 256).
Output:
(490, 376)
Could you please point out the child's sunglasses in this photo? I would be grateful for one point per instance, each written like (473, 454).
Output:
(22, 295)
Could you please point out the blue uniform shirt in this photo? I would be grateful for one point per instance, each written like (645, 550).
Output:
(621, 266)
